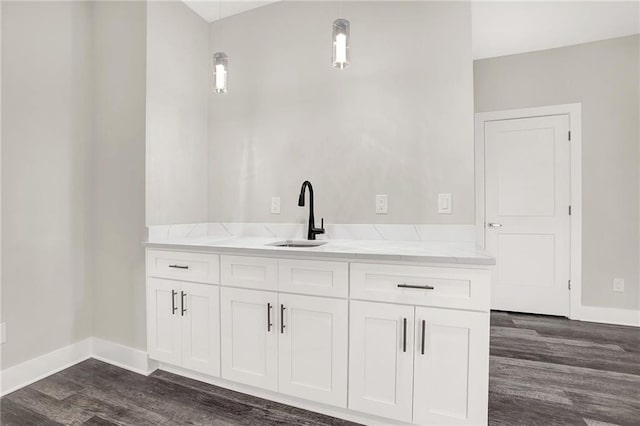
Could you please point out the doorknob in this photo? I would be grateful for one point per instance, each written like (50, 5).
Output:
(495, 225)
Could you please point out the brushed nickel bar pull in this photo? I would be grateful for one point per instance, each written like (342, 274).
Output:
(269, 323)
(420, 287)
(282, 326)
(174, 308)
(179, 266)
(182, 296)
(424, 326)
(404, 335)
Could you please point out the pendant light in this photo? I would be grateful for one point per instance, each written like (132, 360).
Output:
(220, 63)
(340, 37)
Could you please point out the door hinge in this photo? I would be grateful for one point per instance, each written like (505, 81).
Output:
(569, 210)
(569, 284)
(569, 134)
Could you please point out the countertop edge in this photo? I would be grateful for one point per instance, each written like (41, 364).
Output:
(271, 251)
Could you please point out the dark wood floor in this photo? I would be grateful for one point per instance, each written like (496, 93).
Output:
(544, 371)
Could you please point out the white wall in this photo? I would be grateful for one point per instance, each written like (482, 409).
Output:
(178, 82)
(605, 77)
(46, 99)
(116, 173)
(399, 121)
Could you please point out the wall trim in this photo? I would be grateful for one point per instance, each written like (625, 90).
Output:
(574, 111)
(21, 375)
(122, 356)
(18, 376)
(629, 317)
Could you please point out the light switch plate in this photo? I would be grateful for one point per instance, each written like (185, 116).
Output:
(618, 285)
(382, 204)
(3, 332)
(444, 204)
(275, 205)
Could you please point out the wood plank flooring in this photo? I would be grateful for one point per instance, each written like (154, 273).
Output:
(544, 371)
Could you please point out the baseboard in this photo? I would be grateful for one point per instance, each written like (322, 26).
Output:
(13, 378)
(615, 316)
(122, 356)
(18, 376)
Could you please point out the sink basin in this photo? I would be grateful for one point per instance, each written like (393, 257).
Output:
(297, 243)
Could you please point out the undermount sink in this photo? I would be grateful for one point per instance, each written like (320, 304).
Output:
(297, 243)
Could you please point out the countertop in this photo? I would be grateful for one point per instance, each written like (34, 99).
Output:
(464, 253)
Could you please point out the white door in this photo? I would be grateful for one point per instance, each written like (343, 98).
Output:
(527, 191)
(381, 359)
(451, 370)
(163, 321)
(249, 327)
(200, 312)
(313, 348)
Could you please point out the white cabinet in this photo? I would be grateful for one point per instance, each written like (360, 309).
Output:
(200, 309)
(293, 344)
(249, 337)
(381, 359)
(312, 348)
(451, 367)
(164, 339)
(183, 326)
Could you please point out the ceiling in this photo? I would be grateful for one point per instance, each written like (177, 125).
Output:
(506, 27)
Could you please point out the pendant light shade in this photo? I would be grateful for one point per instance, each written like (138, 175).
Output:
(220, 62)
(340, 37)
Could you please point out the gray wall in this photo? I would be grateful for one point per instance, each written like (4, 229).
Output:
(178, 83)
(604, 76)
(399, 121)
(46, 99)
(116, 168)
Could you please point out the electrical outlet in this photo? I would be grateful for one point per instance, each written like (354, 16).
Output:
(618, 285)
(444, 204)
(3, 332)
(382, 204)
(275, 205)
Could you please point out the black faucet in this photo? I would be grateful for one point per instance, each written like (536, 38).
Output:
(312, 230)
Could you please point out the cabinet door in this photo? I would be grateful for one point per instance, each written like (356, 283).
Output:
(313, 348)
(249, 330)
(163, 321)
(381, 359)
(200, 313)
(451, 380)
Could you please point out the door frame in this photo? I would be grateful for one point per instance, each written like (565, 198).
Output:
(574, 111)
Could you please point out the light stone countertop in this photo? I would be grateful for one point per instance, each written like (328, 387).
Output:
(463, 253)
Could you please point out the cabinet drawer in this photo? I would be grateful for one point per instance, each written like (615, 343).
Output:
(422, 285)
(314, 277)
(183, 266)
(250, 272)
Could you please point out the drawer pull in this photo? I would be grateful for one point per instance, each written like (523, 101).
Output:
(174, 308)
(282, 326)
(179, 266)
(404, 335)
(424, 326)
(269, 323)
(419, 287)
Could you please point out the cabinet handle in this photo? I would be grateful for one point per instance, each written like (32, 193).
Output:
(282, 326)
(182, 296)
(174, 308)
(421, 287)
(179, 266)
(269, 323)
(404, 335)
(424, 326)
